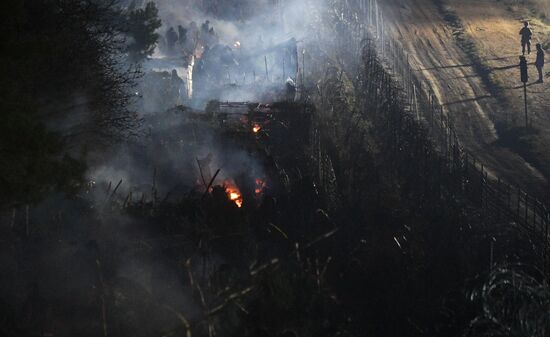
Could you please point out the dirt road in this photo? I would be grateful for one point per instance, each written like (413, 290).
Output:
(439, 59)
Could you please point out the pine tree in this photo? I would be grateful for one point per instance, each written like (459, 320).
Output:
(142, 38)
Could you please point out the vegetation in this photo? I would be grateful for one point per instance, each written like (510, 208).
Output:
(542, 7)
(353, 235)
(64, 82)
(141, 29)
(514, 302)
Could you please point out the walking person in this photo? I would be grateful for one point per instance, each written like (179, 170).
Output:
(526, 35)
(539, 63)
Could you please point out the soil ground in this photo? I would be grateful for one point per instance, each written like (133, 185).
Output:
(470, 59)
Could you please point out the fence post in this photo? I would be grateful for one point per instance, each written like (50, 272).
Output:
(519, 201)
(465, 178)
(509, 196)
(482, 187)
(440, 108)
(485, 184)
(545, 242)
(535, 211)
(432, 109)
(526, 208)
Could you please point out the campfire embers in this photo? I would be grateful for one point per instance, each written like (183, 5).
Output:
(233, 192)
(260, 185)
(256, 128)
(228, 189)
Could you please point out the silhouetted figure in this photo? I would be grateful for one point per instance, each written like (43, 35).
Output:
(193, 30)
(212, 37)
(182, 32)
(205, 27)
(176, 86)
(539, 63)
(526, 35)
(171, 38)
(192, 37)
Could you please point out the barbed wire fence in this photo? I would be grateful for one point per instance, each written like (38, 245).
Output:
(391, 83)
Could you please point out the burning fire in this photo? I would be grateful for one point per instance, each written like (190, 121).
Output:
(260, 185)
(256, 128)
(233, 193)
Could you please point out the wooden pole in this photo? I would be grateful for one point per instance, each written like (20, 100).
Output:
(200, 170)
(525, 100)
(210, 183)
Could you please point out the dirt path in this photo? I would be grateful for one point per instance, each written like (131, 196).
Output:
(439, 60)
(494, 28)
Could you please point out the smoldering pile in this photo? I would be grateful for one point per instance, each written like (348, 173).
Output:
(175, 227)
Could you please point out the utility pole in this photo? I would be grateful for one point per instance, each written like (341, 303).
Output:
(524, 78)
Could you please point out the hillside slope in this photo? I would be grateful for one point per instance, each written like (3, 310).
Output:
(470, 98)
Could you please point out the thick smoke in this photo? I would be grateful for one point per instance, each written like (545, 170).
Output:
(250, 35)
(160, 163)
(163, 160)
(170, 161)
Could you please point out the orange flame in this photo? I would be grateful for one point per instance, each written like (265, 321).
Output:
(260, 185)
(256, 128)
(233, 193)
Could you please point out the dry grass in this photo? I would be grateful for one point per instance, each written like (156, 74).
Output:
(543, 6)
(540, 8)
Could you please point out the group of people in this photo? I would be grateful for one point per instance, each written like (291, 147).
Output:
(526, 36)
(187, 39)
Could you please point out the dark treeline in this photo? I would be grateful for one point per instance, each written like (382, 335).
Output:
(65, 80)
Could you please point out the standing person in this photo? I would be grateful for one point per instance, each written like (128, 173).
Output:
(171, 39)
(539, 63)
(526, 35)
(205, 27)
(176, 86)
(182, 32)
(192, 38)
